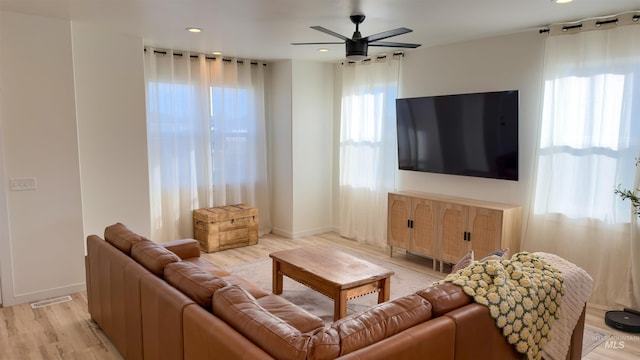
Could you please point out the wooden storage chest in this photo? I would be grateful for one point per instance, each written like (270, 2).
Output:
(225, 227)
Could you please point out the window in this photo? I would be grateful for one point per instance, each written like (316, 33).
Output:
(588, 142)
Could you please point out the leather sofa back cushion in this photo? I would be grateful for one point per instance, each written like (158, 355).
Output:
(381, 321)
(152, 256)
(445, 297)
(121, 237)
(194, 282)
(240, 310)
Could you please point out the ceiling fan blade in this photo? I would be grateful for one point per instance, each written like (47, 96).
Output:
(387, 34)
(318, 43)
(394, 44)
(327, 31)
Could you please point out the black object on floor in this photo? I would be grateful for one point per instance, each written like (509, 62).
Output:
(627, 320)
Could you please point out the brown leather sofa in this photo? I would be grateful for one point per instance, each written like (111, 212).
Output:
(165, 302)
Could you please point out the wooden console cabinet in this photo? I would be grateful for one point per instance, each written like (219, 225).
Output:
(445, 228)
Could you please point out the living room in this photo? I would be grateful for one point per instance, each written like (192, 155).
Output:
(77, 123)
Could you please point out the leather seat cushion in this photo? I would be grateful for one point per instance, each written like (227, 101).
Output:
(207, 266)
(121, 237)
(293, 314)
(381, 321)
(253, 289)
(239, 309)
(152, 256)
(197, 284)
(445, 297)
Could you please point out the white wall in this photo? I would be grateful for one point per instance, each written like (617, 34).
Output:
(41, 252)
(112, 130)
(72, 115)
(301, 152)
(280, 145)
(499, 63)
(312, 99)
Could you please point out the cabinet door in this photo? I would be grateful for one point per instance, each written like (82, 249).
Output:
(423, 238)
(453, 225)
(398, 231)
(485, 226)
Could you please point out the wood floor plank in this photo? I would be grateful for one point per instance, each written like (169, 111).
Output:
(66, 331)
(58, 331)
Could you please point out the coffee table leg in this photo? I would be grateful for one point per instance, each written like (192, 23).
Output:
(276, 284)
(340, 305)
(385, 290)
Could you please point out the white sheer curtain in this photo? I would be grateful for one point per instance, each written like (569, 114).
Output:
(589, 138)
(206, 138)
(367, 147)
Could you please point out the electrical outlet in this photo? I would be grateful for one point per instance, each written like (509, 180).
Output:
(21, 184)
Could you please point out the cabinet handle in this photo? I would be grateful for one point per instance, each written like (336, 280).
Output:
(409, 223)
(468, 236)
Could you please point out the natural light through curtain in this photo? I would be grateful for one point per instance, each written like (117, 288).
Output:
(206, 138)
(367, 148)
(589, 139)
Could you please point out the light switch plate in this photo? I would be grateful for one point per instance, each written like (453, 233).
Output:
(21, 184)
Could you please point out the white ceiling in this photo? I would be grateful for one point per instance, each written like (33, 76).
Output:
(264, 29)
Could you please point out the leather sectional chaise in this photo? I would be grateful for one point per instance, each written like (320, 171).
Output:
(163, 301)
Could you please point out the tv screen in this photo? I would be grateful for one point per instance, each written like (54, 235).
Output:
(463, 134)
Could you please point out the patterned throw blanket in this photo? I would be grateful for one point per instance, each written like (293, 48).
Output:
(523, 296)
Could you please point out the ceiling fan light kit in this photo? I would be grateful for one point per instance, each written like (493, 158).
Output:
(356, 47)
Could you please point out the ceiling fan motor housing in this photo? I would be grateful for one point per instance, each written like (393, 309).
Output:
(356, 48)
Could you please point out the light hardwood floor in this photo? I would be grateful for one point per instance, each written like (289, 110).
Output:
(66, 331)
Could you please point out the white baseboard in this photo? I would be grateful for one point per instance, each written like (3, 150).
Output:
(292, 235)
(10, 299)
(281, 232)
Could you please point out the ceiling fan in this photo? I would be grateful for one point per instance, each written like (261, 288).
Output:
(357, 46)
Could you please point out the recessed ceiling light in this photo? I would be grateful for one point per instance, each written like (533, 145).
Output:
(193, 29)
(562, 1)
(216, 53)
(323, 50)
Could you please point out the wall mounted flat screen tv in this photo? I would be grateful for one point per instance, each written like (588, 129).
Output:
(463, 134)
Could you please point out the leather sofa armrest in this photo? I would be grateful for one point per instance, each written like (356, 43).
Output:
(184, 248)
(478, 337)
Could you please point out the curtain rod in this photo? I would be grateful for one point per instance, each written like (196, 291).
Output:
(594, 22)
(397, 54)
(207, 57)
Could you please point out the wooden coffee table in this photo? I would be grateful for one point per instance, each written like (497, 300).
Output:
(335, 274)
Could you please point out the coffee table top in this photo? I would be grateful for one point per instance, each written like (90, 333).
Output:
(334, 266)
